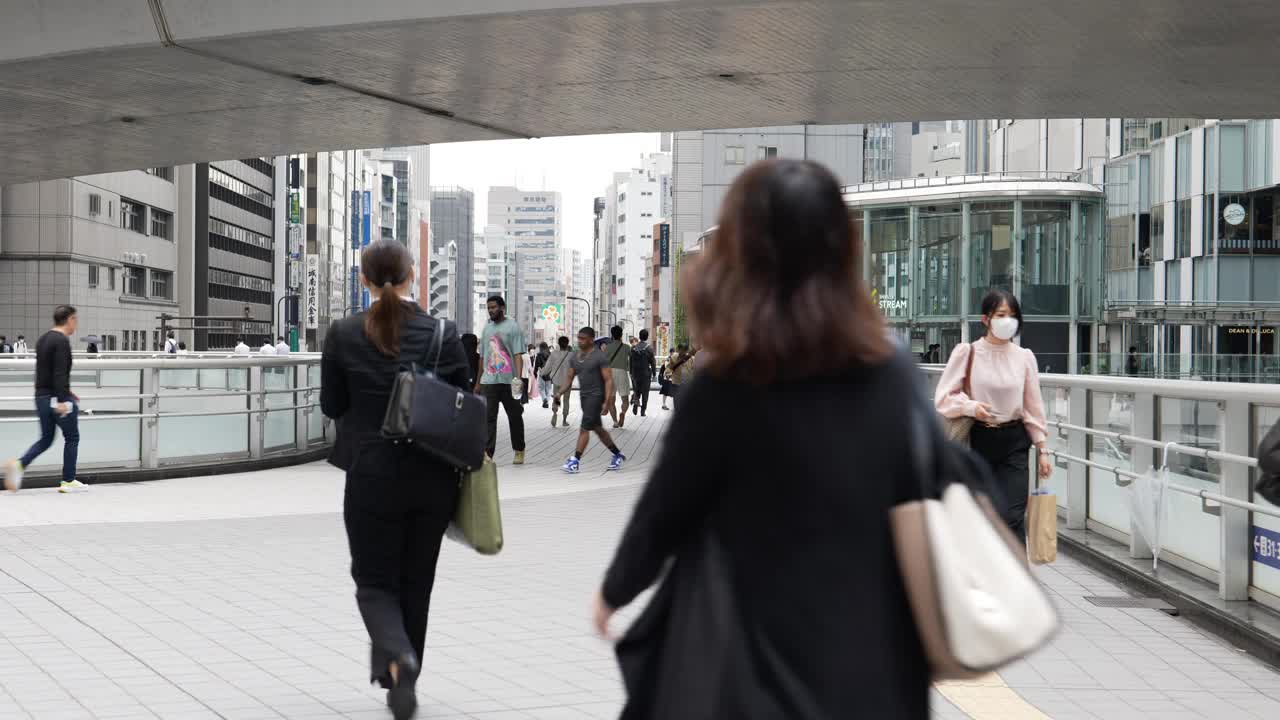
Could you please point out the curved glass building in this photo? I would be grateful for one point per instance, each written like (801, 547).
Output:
(935, 246)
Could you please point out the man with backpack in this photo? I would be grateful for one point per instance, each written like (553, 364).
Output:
(557, 372)
(643, 366)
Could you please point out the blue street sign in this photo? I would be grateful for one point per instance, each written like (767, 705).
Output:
(1266, 547)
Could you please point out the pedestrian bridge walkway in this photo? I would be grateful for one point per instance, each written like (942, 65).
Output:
(228, 597)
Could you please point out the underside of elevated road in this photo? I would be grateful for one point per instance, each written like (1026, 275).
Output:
(103, 85)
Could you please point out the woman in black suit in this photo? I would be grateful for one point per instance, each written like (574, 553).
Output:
(783, 522)
(398, 500)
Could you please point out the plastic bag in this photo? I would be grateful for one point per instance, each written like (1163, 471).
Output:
(1146, 508)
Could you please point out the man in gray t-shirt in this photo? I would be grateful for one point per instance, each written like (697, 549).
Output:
(591, 367)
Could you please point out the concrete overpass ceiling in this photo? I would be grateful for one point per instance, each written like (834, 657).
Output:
(117, 84)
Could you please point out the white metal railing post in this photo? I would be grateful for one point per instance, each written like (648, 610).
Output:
(1078, 445)
(1236, 555)
(1144, 425)
(301, 414)
(149, 408)
(257, 403)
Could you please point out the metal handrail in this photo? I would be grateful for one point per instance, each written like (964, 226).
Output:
(1156, 444)
(158, 414)
(1202, 494)
(171, 362)
(182, 396)
(966, 179)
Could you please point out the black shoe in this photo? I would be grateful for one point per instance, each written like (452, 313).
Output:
(544, 405)
(642, 413)
(402, 698)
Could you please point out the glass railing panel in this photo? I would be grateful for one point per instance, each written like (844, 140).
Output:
(206, 435)
(1108, 502)
(1057, 408)
(1188, 530)
(280, 429)
(315, 421)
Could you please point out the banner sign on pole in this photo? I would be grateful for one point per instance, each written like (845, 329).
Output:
(312, 293)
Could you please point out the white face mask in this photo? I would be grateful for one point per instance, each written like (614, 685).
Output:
(1004, 327)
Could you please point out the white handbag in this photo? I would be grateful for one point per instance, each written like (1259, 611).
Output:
(976, 605)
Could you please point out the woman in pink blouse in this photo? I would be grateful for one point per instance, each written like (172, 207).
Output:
(1003, 398)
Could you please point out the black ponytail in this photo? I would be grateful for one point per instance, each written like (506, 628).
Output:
(386, 264)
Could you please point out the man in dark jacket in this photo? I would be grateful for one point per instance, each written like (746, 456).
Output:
(643, 366)
(56, 405)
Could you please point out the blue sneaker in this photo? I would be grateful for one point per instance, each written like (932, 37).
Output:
(616, 462)
(571, 466)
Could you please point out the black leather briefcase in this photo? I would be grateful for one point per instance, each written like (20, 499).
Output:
(437, 418)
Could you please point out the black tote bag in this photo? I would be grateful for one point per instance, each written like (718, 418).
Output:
(688, 654)
(439, 419)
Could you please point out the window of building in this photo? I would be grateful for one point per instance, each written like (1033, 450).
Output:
(1209, 241)
(111, 278)
(164, 173)
(1182, 167)
(161, 285)
(95, 204)
(1046, 230)
(1234, 223)
(938, 235)
(1156, 244)
(133, 216)
(766, 151)
(93, 276)
(735, 155)
(1182, 230)
(134, 279)
(1231, 158)
(161, 224)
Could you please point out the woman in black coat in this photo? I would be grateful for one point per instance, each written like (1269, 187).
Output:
(398, 500)
(785, 599)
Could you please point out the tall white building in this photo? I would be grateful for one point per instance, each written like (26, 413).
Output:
(579, 282)
(634, 203)
(530, 225)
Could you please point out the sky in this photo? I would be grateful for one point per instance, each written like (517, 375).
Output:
(580, 168)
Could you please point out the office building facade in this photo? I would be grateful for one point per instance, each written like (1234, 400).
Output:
(107, 244)
(453, 224)
(529, 223)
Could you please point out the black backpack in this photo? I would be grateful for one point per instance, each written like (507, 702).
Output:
(1269, 466)
(641, 360)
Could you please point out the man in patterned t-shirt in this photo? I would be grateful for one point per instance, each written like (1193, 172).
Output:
(500, 364)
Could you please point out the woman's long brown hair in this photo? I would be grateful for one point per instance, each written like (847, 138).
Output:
(386, 264)
(778, 293)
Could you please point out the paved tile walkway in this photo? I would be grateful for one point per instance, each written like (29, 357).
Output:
(229, 598)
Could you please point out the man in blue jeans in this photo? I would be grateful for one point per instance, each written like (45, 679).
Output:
(56, 405)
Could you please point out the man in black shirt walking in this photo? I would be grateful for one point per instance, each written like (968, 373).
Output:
(56, 405)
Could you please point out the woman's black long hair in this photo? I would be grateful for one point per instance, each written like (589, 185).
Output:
(386, 264)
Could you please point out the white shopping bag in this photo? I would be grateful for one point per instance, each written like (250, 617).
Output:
(1146, 508)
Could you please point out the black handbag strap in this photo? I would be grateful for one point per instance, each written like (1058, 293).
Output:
(563, 359)
(439, 343)
(615, 352)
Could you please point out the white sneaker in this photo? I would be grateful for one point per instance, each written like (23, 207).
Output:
(13, 475)
(73, 486)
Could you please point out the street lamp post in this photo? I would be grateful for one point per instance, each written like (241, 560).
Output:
(588, 302)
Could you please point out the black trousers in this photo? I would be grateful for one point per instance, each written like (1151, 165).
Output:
(640, 391)
(397, 505)
(1005, 450)
(500, 394)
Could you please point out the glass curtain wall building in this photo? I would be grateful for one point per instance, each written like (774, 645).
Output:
(1192, 265)
(935, 246)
